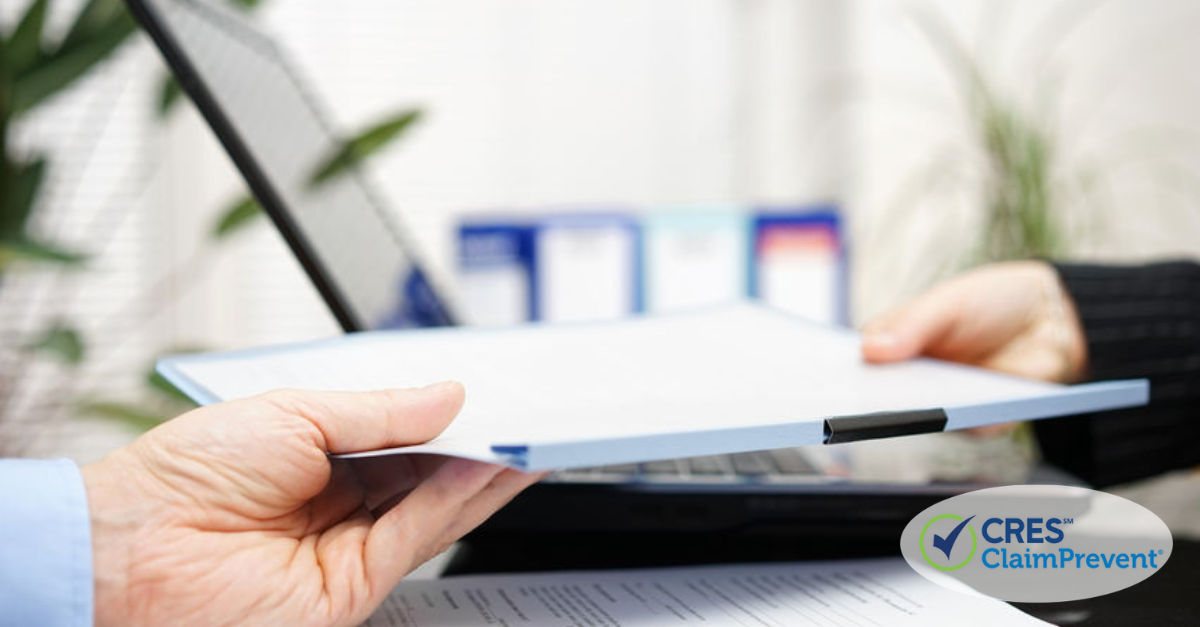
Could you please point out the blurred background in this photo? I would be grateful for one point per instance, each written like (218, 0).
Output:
(938, 134)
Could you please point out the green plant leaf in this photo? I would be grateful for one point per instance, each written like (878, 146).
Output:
(238, 216)
(27, 179)
(249, 4)
(168, 94)
(25, 44)
(25, 249)
(61, 341)
(67, 65)
(363, 145)
(138, 418)
(93, 18)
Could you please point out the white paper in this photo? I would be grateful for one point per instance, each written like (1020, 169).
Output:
(730, 379)
(495, 296)
(855, 593)
(801, 282)
(693, 260)
(798, 271)
(586, 271)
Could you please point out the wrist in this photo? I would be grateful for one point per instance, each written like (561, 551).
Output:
(1062, 318)
(112, 529)
(1076, 348)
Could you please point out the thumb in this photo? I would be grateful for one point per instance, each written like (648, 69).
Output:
(363, 421)
(912, 329)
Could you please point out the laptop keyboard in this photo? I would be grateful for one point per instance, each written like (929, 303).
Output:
(778, 466)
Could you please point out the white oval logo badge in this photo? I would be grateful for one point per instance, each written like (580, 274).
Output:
(1037, 543)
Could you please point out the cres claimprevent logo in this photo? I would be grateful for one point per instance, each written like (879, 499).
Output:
(946, 542)
(1037, 543)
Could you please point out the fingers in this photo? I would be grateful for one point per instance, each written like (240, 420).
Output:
(388, 477)
(496, 495)
(414, 529)
(913, 328)
(992, 431)
(361, 421)
(341, 497)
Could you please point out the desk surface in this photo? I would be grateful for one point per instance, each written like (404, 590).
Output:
(1168, 599)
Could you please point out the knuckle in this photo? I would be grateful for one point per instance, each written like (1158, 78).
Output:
(284, 399)
(296, 403)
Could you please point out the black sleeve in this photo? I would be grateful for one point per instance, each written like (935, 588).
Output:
(1139, 321)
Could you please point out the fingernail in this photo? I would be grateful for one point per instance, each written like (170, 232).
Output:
(881, 340)
(442, 386)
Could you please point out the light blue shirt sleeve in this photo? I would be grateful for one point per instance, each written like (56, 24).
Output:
(45, 545)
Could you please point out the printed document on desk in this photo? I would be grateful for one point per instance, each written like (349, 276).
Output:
(723, 380)
(855, 593)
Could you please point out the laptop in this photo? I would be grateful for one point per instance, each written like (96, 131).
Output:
(368, 271)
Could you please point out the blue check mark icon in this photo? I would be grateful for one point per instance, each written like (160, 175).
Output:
(946, 544)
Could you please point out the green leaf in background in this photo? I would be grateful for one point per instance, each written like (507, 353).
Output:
(139, 419)
(63, 342)
(239, 215)
(363, 145)
(249, 4)
(168, 94)
(68, 64)
(25, 44)
(24, 249)
(92, 19)
(27, 179)
(1018, 202)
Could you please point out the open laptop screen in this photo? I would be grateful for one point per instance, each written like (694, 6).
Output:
(349, 243)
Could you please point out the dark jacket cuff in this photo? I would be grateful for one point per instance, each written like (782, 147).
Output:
(1140, 321)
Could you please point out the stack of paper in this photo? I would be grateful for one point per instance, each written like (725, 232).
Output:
(731, 379)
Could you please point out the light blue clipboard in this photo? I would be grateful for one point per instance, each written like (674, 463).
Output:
(196, 376)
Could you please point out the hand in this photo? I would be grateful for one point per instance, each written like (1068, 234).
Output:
(234, 514)
(1011, 317)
